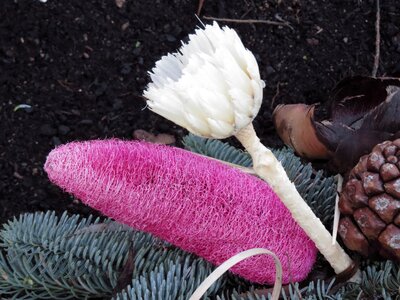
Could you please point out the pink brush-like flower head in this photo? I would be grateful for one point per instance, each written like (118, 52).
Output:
(197, 204)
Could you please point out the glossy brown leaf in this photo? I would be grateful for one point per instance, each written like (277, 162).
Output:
(360, 113)
(355, 96)
(295, 127)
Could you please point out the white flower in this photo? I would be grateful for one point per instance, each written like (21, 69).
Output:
(211, 86)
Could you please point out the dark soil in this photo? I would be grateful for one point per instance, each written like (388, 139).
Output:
(82, 67)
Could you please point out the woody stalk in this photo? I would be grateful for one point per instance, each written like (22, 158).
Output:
(212, 87)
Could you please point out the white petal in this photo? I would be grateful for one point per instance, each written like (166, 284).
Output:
(236, 48)
(258, 86)
(198, 126)
(251, 65)
(192, 104)
(167, 103)
(194, 64)
(198, 43)
(168, 67)
(234, 75)
(216, 105)
(241, 121)
(242, 101)
(220, 129)
(210, 91)
(207, 74)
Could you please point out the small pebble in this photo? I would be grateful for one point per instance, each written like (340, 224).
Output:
(118, 104)
(125, 26)
(396, 41)
(312, 41)
(56, 141)
(170, 38)
(47, 130)
(63, 130)
(86, 122)
(270, 70)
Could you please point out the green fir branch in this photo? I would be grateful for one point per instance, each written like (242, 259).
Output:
(319, 290)
(379, 280)
(48, 257)
(217, 149)
(60, 257)
(173, 279)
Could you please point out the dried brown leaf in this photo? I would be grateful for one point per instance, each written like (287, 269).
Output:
(361, 112)
(161, 138)
(294, 125)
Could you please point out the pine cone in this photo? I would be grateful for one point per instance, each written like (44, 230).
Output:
(370, 203)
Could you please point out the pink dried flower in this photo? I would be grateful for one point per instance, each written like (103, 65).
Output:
(197, 204)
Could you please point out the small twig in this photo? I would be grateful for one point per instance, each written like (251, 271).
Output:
(138, 96)
(125, 94)
(201, 3)
(246, 12)
(65, 85)
(377, 39)
(125, 276)
(249, 21)
(276, 94)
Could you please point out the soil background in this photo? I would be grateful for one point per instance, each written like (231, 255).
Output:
(82, 66)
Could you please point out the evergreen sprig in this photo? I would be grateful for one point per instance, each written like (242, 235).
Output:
(318, 190)
(217, 149)
(173, 279)
(48, 257)
(379, 280)
(319, 290)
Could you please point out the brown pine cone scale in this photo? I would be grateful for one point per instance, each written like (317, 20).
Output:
(385, 206)
(389, 171)
(370, 203)
(397, 220)
(393, 188)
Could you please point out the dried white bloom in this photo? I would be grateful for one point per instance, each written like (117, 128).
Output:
(211, 86)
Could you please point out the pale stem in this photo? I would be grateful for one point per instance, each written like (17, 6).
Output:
(336, 217)
(270, 169)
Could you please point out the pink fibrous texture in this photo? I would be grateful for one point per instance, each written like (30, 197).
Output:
(197, 204)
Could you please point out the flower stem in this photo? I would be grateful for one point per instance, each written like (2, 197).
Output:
(270, 169)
